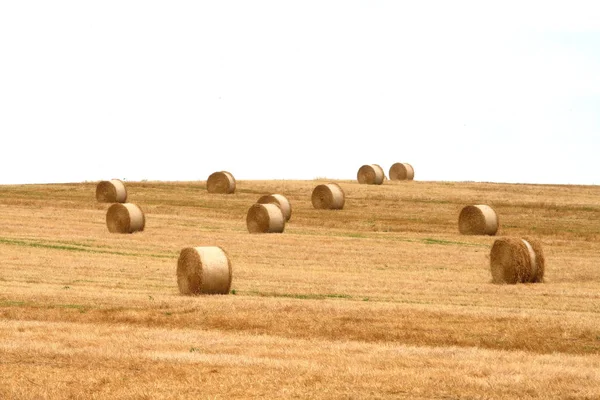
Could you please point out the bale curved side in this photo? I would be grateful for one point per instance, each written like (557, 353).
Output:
(279, 200)
(478, 220)
(328, 197)
(370, 175)
(265, 218)
(125, 218)
(515, 260)
(203, 270)
(221, 182)
(401, 172)
(112, 191)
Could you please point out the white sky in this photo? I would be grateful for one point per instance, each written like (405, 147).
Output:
(175, 90)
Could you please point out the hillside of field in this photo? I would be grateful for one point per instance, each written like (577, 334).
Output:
(383, 299)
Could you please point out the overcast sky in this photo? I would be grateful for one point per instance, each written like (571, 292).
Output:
(503, 91)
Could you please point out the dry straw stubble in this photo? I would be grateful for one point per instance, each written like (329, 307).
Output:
(401, 172)
(112, 191)
(204, 270)
(479, 219)
(516, 260)
(125, 218)
(328, 196)
(370, 175)
(279, 200)
(221, 182)
(265, 218)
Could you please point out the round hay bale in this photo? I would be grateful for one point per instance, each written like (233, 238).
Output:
(370, 175)
(125, 218)
(203, 270)
(112, 191)
(402, 172)
(265, 218)
(279, 200)
(329, 196)
(515, 260)
(478, 220)
(221, 182)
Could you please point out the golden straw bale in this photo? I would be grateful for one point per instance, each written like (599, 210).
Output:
(370, 175)
(279, 200)
(112, 191)
(328, 196)
(203, 270)
(478, 220)
(402, 172)
(265, 218)
(125, 218)
(516, 260)
(221, 182)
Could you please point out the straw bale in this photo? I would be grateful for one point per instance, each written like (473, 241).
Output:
(370, 175)
(516, 260)
(112, 191)
(279, 200)
(328, 196)
(221, 182)
(204, 270)
(125, 218)
(478, 220)
(265, 218)
(402, 172)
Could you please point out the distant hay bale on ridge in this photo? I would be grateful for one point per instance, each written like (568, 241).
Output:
(478, 220)
(402, 172)
(112, 191)
(279, 200)
(370, 175)
(515, 260)
(265, 218)
(203, 270)
(221, 182)
(328, 196)
(125, 218)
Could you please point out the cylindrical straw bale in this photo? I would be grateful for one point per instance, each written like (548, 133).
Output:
(279, 200)
(265, 218)
(203, 270)
(112, 191)
(515, 260)
(402, 172)
(370, 175)
(329, 196)
(221, 182)
(478, 220)
(125, 218)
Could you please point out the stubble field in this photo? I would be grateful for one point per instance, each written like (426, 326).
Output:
(383, 299)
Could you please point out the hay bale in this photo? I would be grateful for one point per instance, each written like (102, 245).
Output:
(515, 260)
(328, 197)
(402, 172)
(478, 220)
(370, 175)
(265, 218)
(280, 201)
(221, 182)
(112, 191)
(125, 218)
(203, 270)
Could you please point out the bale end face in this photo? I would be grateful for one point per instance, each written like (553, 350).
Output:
(125, 218)
(515, 260)
(265, 218)
(478, 220)
(328, 197)
(203, 270)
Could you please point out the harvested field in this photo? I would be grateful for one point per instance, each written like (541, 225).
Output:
(382, 299)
